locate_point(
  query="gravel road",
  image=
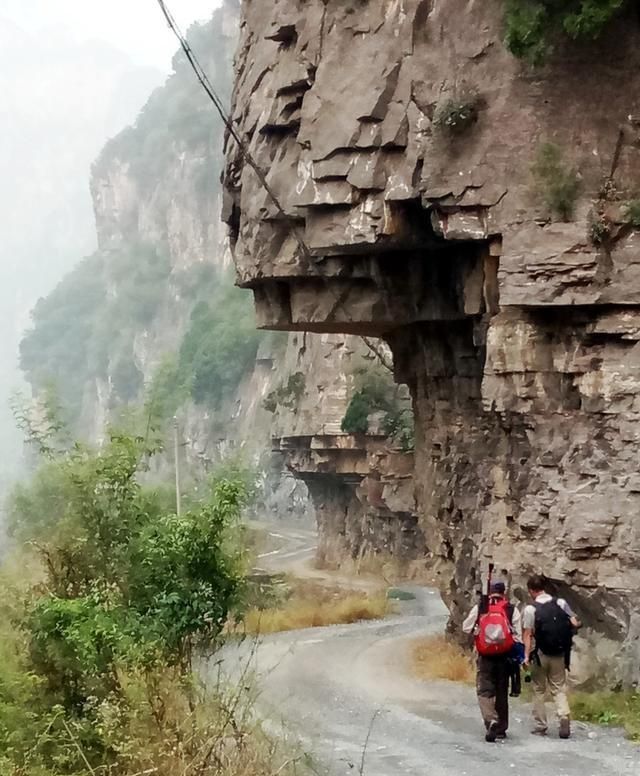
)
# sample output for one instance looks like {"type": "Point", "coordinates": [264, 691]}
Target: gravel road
{"type": "Point", "coordinates": [345, 691]}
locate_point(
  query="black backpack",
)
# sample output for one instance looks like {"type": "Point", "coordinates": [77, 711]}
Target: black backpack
{"type": "Point", "coordinates": [553, 631]}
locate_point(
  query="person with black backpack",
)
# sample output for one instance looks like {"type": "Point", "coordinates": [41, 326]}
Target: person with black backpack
{"type": "Point", "coordinates": [548, 628]}
{"type": "Point", "coordinates": [496, 626]}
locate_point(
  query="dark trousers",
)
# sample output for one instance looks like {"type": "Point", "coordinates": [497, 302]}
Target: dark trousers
{"type": "Point", "coordinates": [492, 686]}
{"type": "Point", "coordinates": [516, 679]}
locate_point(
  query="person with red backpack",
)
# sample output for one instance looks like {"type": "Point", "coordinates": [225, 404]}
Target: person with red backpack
{"type": "Point", "coordinates": [496, 625]}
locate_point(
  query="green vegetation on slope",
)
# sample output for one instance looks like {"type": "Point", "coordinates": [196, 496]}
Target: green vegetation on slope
{"type": "Point", "coordinates": [178, 116]}
{"type": "Point", "coordinates": [218, 349]}
{"type": "Point", "coordinates": [531, 26]}
{"type": "Point", "coordinates": [219, 345]}
{"type": "Point", "coordinates": [376, 392]}
{"type": "Point", "coordinates": [85, 328]}
{"type": "Point", "coordinates": [109, 318]}
{"type": "Point", "coordinates": [124, 592]}
{"type": "Point", "coordinates": [98, 635]}
{"type": "Point", "coordinates": [81, 332]}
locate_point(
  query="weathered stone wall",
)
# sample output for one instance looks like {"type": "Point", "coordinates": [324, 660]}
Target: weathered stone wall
{"type": "Point", "coordinates": [518, 336]}
{"type": "Point", "coordinates": [361, 485]}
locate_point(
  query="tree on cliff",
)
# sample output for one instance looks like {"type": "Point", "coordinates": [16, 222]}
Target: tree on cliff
{"type": "Point", "coordinates": [532, 25]}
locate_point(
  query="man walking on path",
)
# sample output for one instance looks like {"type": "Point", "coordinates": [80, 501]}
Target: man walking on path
{"type": "Point", "coordinates": [494, 670]}
{"type": "Point", "coordinates": [548, 631]}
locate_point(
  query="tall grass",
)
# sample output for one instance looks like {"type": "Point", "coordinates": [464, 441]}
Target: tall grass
{"type": "Point", "coordinates": [436, 657]}
{"type": "Point", "coordinates": [312, 604]}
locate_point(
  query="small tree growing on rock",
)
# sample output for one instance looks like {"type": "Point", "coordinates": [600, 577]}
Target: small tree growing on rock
{"type": "Point", "coordinates": [457, 114]}
{"type": "Point", "coordinates": [557, 184]}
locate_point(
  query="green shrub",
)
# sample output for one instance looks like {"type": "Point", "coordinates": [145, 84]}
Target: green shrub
{"type": "Point", "coordinates": [599, 228]}
{"type": "Point", "coordinates": [526, 30]}
{"type": "Point", "coordinates": [96, 645]}
{"type": "Point", "coordinates": [456, 114]}
{"type": "Point", "coordinates": [356, 418]}
{"type": "Point", "coordinates": [398, 425]}
{"type": "Point", "coordinates": [126, 582]}
{"type": "Point", "coordinates": [531, 26]}
{"type": "Point", "coordinates": [377, 392]}
{"type": "Point", "coordinates": [287, 394]}
{"type": "Point", "coordinates": [220, 345]}
{"type": "Point", "coordinates": [632, 213]}
{"type": "Point", "coordinates": [557, 185]}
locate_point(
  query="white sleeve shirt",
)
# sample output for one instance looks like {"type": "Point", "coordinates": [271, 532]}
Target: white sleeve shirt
{"type": "Point", "coordinates": [469, 624]}
{"type": "Point", "coordinates": [529, 619]}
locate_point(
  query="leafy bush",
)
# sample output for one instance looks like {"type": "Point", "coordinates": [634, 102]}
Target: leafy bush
{"type": "Point", "coordinates": [557, 185]}
{"type": "Point", "coordinates": [128, 591]}
{"type": "Point", "coordinates": [532, 25]}
{"type": "Point", "coordinates": [456, 114]}
{"type": "Point", "coordinates": [287, 394]}
{"type": "Point", "coordinates": [632, 213]}
{"type": "Point", "coordinates": [599, 228]}
{"type": "Point", "coordinates": [376, 392]}
{"type": "Point", "coordinates": [220, 345]}
{"type": "Point", "coordinates": [356, 418]}
{"type": "Point", "coordinates": [398, 424]}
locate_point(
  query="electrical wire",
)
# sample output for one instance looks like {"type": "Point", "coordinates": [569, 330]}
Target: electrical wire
{"type": "Point", "coordinates": [226, 118]}
{"type": "Point", "coordinates": [208, 87]}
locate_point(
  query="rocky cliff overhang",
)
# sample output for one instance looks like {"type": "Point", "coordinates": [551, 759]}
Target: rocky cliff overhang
{"type": "Point", "coordinates": [381, 475]}
{"type": "Point", "coordinates": [363, 494]}
{"type": "Point", "coordinates": [516, 332]}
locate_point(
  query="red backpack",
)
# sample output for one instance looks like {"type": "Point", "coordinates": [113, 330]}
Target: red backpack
{"type": "Point", "coordinates": [495, 636]}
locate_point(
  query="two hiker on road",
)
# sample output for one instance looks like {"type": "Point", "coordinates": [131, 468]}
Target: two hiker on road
{"type": "Point", "coordinates": [541, 639]}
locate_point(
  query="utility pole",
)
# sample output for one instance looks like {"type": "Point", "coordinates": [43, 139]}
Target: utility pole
{"type": "Point", "coordinates": [176, 455]}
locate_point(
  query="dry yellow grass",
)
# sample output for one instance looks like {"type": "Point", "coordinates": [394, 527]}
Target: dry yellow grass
{"type": "Point", "coordinates": [437, 657]}
{"type": "Point", "coordinates": [312, 605]}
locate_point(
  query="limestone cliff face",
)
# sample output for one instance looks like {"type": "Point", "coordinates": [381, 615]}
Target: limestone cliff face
{"type": "Point", "coordinates": [128, 316]}
{"type": "Point", "coordinates": [517, 334]}
{"type": "Point", "coordinates": [155, 186]}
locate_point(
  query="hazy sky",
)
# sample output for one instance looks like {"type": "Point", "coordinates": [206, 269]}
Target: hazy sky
{"type": "Point", "coordinates": [134, 26]}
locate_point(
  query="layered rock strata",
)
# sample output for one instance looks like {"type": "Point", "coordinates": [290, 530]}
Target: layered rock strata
{"type": "Point", "coordinates": [518, 334]}
{"type": "Point", "coordinates": [361, 485]}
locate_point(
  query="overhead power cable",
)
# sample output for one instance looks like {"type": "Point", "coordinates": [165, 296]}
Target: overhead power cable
{"type": "Point", "coordinates": [206, 84]}
{"type": "Point", "coordinates": [208, 87]}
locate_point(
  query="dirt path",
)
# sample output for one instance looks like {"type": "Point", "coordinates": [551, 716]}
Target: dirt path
{"type": "Point", "coordinates": [336, 688]}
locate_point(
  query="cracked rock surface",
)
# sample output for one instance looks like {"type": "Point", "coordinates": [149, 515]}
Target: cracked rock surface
{"type": "Point", "coordinates": [518, 336]}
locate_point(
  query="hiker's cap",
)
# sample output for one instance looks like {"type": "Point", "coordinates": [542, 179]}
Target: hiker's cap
{"type": "Point", "coordinates": [498, 588]}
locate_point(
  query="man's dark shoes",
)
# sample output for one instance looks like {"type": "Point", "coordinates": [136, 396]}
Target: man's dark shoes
{"type": "Point", "coordinates": [492, 733]}
{"type": "Point", "coordinates": [565, 728]}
